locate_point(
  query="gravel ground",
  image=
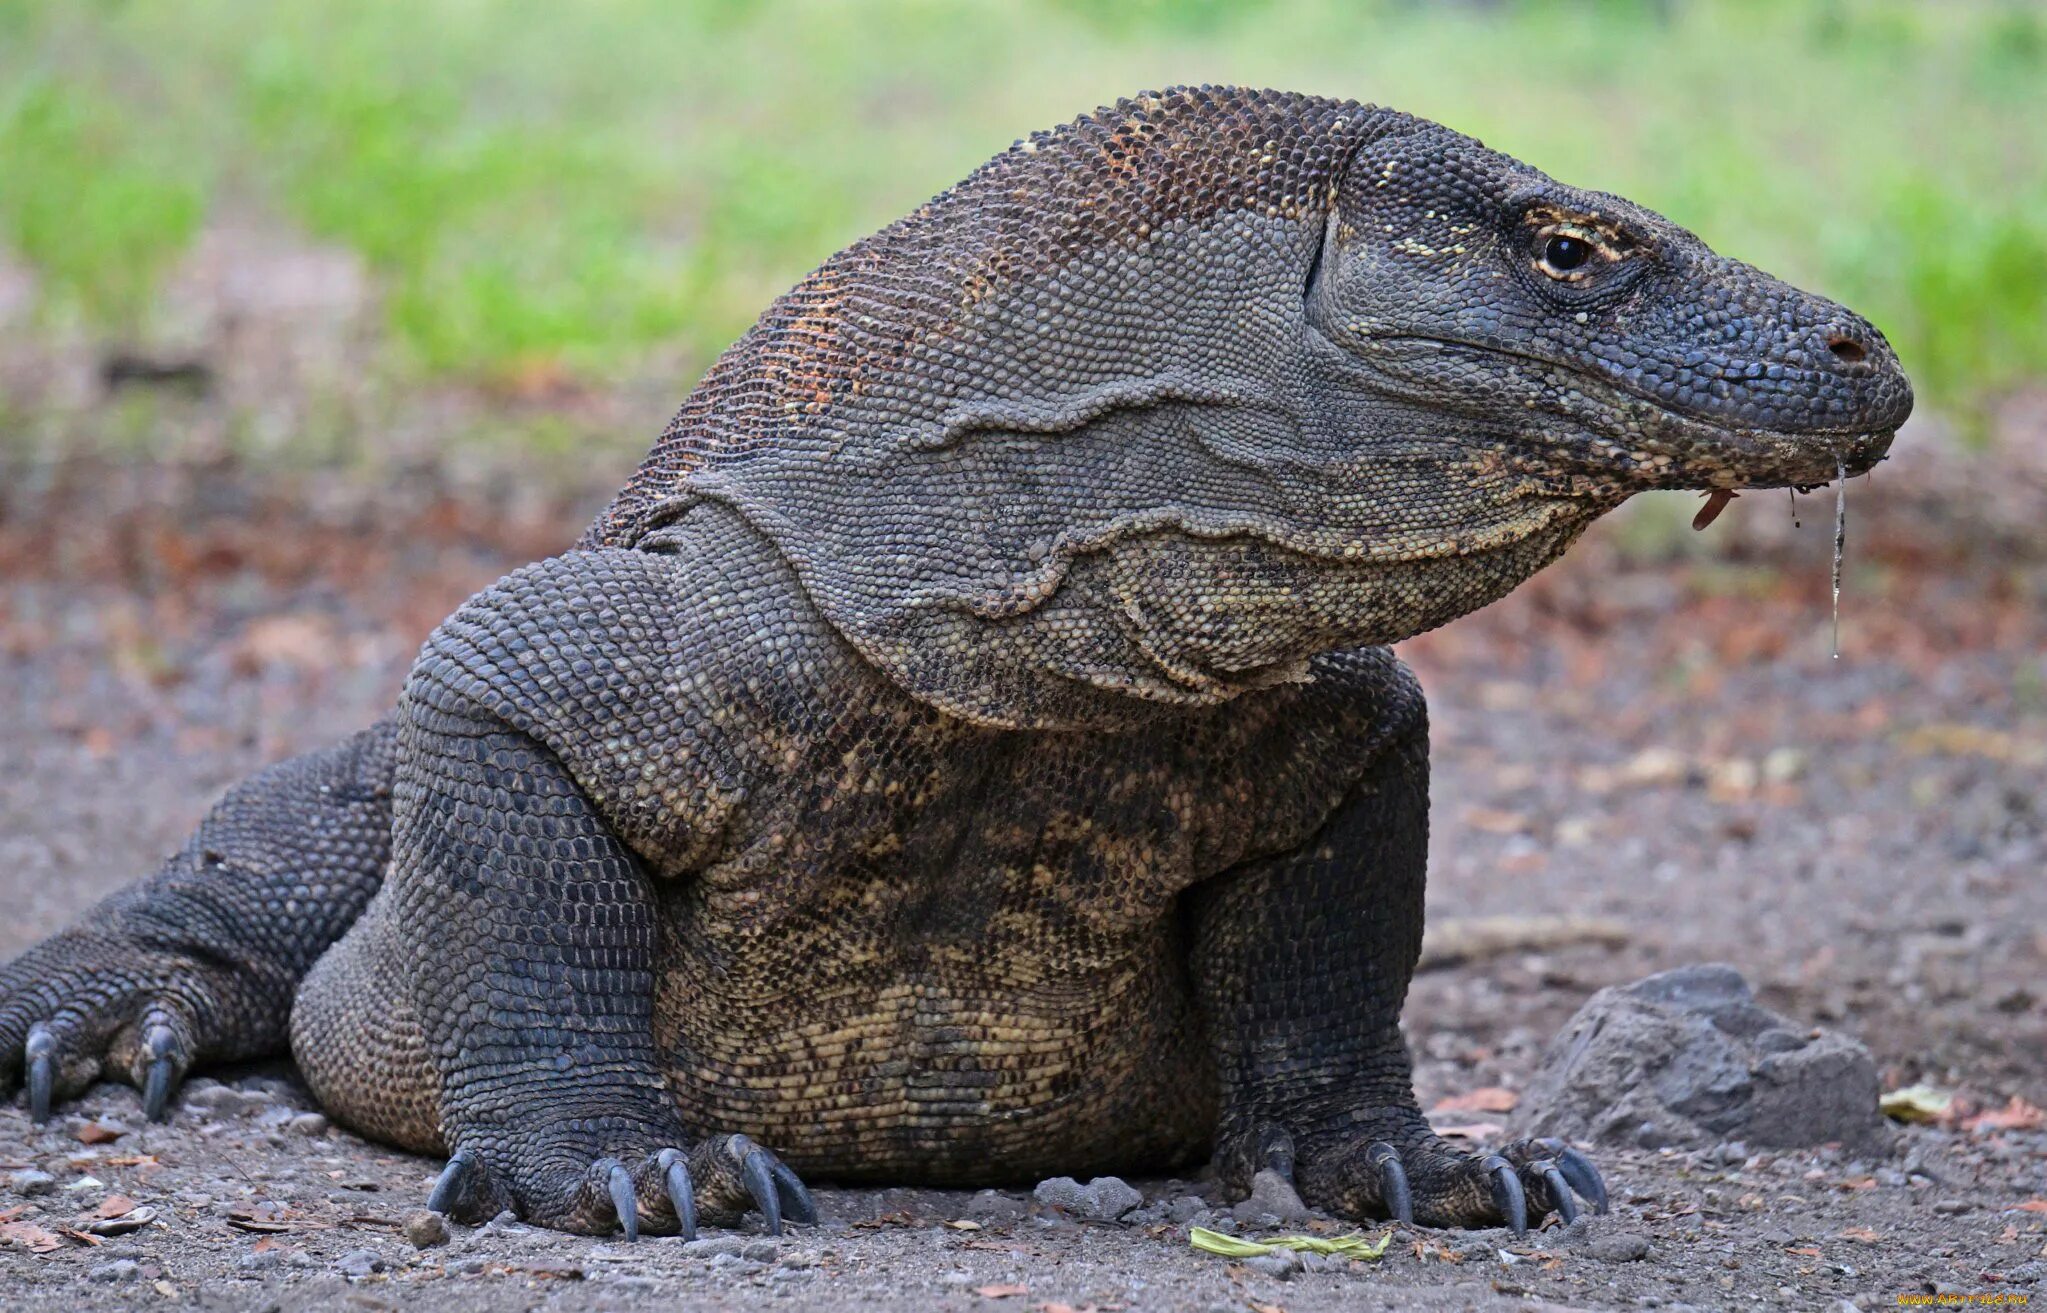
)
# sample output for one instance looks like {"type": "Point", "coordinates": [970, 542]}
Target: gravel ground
{"type": "Point", "coordinates": [1656, 739]}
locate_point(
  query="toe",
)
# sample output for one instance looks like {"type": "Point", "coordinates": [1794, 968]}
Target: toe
{"type": "Point", "coordinates": [732, 1176]}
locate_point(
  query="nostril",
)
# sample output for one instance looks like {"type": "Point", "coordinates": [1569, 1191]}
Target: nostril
{"type": "Point", "coordinates": [1847, 348]}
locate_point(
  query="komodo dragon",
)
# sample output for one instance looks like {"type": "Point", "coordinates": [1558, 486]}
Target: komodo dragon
{"type": "Point", "coordinates": [966, 750]}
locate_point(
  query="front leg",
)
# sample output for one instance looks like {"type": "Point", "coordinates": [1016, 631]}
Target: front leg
{"type": "Point", "coordinates": [530, 938]}
{"type": "Point", "coordinates": [1302, 963]}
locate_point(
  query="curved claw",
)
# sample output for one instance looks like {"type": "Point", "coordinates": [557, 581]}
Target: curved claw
{"type": "Point", "coordinates": [756, 1169]}
{"type": "Point", "coordinates": [797, 1205]}
{"type": "Point", "coordinates": [1579, 1171]}
{"type": "Point", "coordinates": [1393, 1188]}
{"type": "Point", "coordinates": [682, 1195]}
{"type": "Point", "coordinates": [163, 1073]}
{"type": "Point", "coordinates": [623, 1201]}
{"type": "Point", "coordinates": [1559, 1193]}
{"type": "Point", "coordinates": [1508, 1196]}
{"type": "Point", "coordinates": [42, 1076]}
{"type": "Point", "coordinates": [453, 1177]}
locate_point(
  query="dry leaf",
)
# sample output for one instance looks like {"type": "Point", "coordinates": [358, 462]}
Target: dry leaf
{"type": "Point", "coordinates": [1804, 1252]}
{"type": "Point", "coordinates": [31, 1237]}
{"type": "Point", "coordinates": [1862, 1234]}
{"type": "Point", "coordinates": [97, 1133]}
{"type": "Point", "coordinates": [2017, 1115]}
{"type": "Point", "coordinates": [114, 1205]}
{"type": "Point", "coordinates": [1916, 1103]}
{"type": "Point", "coordinates": [1001, 1292]}
{"type": "Point", "coordinates": [2033, 1206]}
{"type": "Point", "coordinates": [962, 1224]}
{"type": "Point", "coordinates": [1257, 1307]}
{"type": "Point", "coordinates": [1486, 1098]}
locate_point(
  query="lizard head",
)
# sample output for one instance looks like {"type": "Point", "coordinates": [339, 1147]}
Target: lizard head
{"type": "Point", "coordinates": [1622, 350]}
{"type": "Point", "coordinates": [1158, 406]}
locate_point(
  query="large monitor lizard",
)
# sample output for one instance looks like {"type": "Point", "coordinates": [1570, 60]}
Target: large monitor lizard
{"type": "Point", "coordinates": [967, 750]}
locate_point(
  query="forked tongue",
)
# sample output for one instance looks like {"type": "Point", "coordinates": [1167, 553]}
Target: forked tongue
{"type": "Point", "coordinates": [1840, 541]}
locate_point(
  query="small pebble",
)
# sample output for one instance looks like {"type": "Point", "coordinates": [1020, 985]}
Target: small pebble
{"type": "Point", "coordinates": [309, 1123]}
{"type": "Point", "coordinates": [1281, 1263]}
{"type": "Point", "coordinates": [121, 1269]}
{"type": "Point", "coordinates": [31, 1182]}
{"type": "Point", "coordinates": [424, 1228]}
{"type": "Point", "coordinates": [711, 1246]}
{"type": "Point", "coordinates": [359, 1263]}
{"type": "Point", "coordinates": [1619, 1247]}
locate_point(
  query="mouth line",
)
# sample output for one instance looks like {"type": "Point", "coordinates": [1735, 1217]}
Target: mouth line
{"type": "Point", "coordinates": [1661, 407]}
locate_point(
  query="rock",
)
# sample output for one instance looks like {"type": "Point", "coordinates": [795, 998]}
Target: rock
{"type": "Point", "coordinates": [31, 1182]}
{"type": "Point", "coordinates": [711, 1246]}
{"type": "Point", "coordinates": [1281, 1263]}
{"type": "Point", "coordinates": [996, 1206]}
{"type": "Point", "coordinates": [1687, 1058]}
{"type": "Point", "coordinates": [1271, 1196]}
{"type": "Point", "coordinates": [359, 1263]}
{"type": "Point", "coordinates": [221, 1100]}
{"type": "Point", "coordinates": [1103, 1199]}
{"type": "Point", "coordinates": [1618, 1247]}
{"type": "Point", "coordinates": [121, 1269]}
{"type": "Point", "coordinates": [761, 1251]}
{"type": "Point", "coordinates": [1186, 1208]}
{"type": "Point", "coordinates": [424, 1228]}
{"type": "Point", "coordinates": [308, 1123]}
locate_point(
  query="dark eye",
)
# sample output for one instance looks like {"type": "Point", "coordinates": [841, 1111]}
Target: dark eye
{"type": "Point", "coordinates": [1561, 254]}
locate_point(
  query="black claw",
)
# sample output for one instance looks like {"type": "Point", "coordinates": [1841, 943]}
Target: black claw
{"type": "Point", "coordinates": [755, 1167]}
{"type": "Point", "coordinates": [797, 1205]}
{"type": "Point", "coordinates": [682, 1195]}
{"type": "Point", "coordinates": [1393, 1187]}
{"type": "Point", "coordinates": [1276, 1151]}
{"type": "Point", "coordinates": [624, 1201]}
{"type": "Point", "coordinates": [1508, 1197]}
{"type": "Point", "coordinates": [1559, 1193]}
{"type": "Point", "coordinates": [163, 1072]}
{"type": "Point", "coordinates": [42, 1076]}
{"type": "Point", "coordinates": [453, 1177]}
{"type": "Point", "coordinates": [1579, 1171]}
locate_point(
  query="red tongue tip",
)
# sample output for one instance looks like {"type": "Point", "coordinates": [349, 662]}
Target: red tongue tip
{"type": "Point", "coordinates": [1716, 502]}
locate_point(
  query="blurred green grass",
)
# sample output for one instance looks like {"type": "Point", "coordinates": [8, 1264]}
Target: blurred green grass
{"type": "Point", "coordinates": [575, 185]}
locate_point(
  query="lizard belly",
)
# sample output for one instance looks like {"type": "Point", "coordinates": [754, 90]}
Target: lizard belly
{"type": "Point", "coordinates": [943, 1072]}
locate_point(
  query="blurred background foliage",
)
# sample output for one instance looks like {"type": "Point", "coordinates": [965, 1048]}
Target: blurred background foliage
{"type": "Point", "coordinates": [572, 186]}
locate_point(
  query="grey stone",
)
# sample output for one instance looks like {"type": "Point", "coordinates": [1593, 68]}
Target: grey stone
{"type": "Point", "coordinates": [222, 1100]}
{"type": "Point", "coordinates": [1186, 1208]}
{"type": "Point", "coordinates": [1103, 1199]}
{"type": "Point", "coordinates": [260, 1261]}
{"type": "Point", "coordinates": [31, 1182]}
{"type": "Point", "coordinates": [309, 1123]}
{"type": "Point", "coordinates": [1281, 1263]}
{"type": "Point", "coordinates": [121, 1269]}
{"type": "Point", "coordinates": [360, 1263]}
{"type": "Point", "coordinates": [995, 1205]}
{"type": "Point", "coordinates": [761, 1251]}
{"type": "Point", "coordinates": [1273, 1196]}
{"type": "Point", "coordinates": [1618, 1247]}
{"type": "Point", "coordinates": [711, 1246]}
{"type": "Point", "coordinates": [1687, 1058]}
{"type": "Point", "coordinates": [424, 1228]}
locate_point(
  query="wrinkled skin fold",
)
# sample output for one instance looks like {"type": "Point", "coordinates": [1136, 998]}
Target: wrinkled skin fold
{"type": "Point", "coordinates": [967, 749]}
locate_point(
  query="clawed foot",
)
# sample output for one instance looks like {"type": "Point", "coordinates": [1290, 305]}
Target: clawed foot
{"type": "Point", "coordinates": [1412, 1175]}
{"type": "Point", "coordinates": [66, 1024]}
{"type": "Point", "coordinates": [664, 1192]}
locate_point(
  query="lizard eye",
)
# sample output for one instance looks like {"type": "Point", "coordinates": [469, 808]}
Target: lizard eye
{"type": "Point", "coordinates": [1565, 252]}
{"type": "Point", "coordinates": [1562, 253]}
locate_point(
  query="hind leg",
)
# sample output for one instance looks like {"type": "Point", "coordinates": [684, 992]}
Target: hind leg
{"type": "Point", "coordinates": [357, 1040]}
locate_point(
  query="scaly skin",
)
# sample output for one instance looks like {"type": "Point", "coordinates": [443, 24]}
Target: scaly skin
{"type": "Point", "coordinates": [967, 749]}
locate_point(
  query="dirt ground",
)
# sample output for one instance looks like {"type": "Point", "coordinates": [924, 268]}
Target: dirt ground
{"type": "Point", "coordinates": [1648, 733]}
